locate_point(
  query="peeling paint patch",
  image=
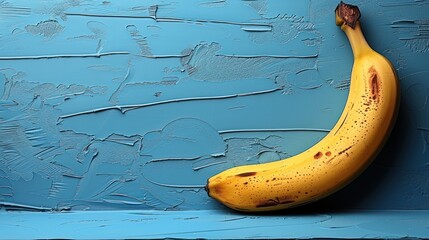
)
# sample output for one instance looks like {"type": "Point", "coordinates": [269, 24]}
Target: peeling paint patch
{"type": "Point", "coordinates": [206, 64]}
{"type": "Point", "coordinates": [286, 28]}
{"type": "Point", "coordinates": [58, 7]}
{"type": "Point", "coordinates": [46, 28]}
{"type": "Point", "coordinates": [259, 5]}
{"type": "Point", "coordinates": [27, 146]}
{"type": "Point", "coordinates": [140, 40]}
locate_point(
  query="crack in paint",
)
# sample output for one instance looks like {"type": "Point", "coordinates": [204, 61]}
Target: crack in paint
{"type": "Point", "coordinates": [88, 55]}
{"type": "Point", "coordinates": [168, 19]}
{"type": "Point", "coordinates": [125, 108]}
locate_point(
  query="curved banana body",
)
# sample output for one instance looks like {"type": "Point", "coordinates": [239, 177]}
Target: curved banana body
{"type": "Point", "coordinates": [340, 156]}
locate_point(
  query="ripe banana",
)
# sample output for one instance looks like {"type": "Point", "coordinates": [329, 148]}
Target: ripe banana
{"type": "Point", "coordinates": [336, 160]}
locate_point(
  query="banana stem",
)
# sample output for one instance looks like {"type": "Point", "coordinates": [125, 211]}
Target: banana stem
{"type": "Point", "coordinates": [347, 16]}
{"type": "Point", "coordinates": [357, 40]}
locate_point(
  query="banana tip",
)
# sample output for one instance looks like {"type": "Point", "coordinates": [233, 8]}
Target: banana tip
{"type": "Point", "coordinates": [206, 187]}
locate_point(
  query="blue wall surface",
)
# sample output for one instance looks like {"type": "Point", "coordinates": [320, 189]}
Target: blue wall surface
{"type": "Point", "coordinates": [109, 105]}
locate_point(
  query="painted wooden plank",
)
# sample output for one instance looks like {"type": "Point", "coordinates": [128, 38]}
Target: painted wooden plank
{"type": "Point", "coordinates": [213, 224]}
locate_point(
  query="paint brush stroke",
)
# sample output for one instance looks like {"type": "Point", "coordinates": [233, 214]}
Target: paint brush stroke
{"type": "Point", "coordinates": [205, 64]}
{"type": "Point", "coordinates": [414, 34]}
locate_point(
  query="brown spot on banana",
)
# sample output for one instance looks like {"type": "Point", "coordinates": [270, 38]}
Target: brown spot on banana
{"type": "Point", "coordinates": [318, 155]}
{"type": "Point", "coordinates": [216, 190]}
{"type": "Point", "coordinates": [274, 202]}
{"type": "Point", "coordinates": [246, 174]}
{"type": "Point", "coordinates": [339, 153]}
{"type": "Point", "coordinates": [374, 84]}
{"type": "Point", "coordinates": [345, 150]}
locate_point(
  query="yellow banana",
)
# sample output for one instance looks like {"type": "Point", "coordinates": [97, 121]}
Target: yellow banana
{"type": "Point", "coordinates": [332, 163]}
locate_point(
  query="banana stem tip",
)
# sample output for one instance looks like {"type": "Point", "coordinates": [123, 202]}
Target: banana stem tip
{"type": "Point", "coordinates": [347, 14]}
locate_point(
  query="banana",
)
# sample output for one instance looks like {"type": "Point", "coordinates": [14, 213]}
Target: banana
{"type": "Point", "coordinates": [338, 158]}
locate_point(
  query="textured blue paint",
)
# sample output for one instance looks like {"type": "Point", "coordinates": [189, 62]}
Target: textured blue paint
{"type": "Point", "coordinates": [130, 105]}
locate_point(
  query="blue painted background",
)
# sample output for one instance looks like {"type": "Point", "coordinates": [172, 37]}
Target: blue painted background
{"type": "Point", "coordinates": [134, 104]}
